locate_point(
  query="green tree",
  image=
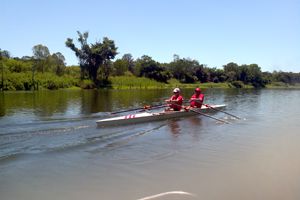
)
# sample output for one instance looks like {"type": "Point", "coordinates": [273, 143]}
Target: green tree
{"type": "Point", "coordinates": [252, 74]}
{"type": "Point", "coordinates": [286, 77]}
{"type": "Point", "coordinates": [232, 71]}
{"type": "Point", "coordinates": [58, 63]}
{"type": "Point", "coordinates": [130, 62]}
{"type": "Point", "coordinates": [41, 54]}
{"type": "Point", "coordinates": [147, 67]}
{"type": "Point", "coordinates": [120, 67]}
{"type": "Point", "coordinates": [202, 73]}
{"type": "Point", "coordinates": [216, 75]}
{"type": "Point", "coordinates": [92, 57]}
{"type": "Point", "coordinates": [184, 69]}
{"type": "Point", "coordinates": [4, 54]}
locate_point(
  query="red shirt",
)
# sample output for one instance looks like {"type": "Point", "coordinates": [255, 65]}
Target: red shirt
{"type": "Point", "coordinates": [197, 100]}
{"type": "Point", "coordinates": [177, 105]}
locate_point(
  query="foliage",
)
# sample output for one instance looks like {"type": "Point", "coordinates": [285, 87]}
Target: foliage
{"type": "Point", "coordinates": [41, 54]}
{"type": "Point", "coordinates": [92, 57]}
{"type": "Point", "coordinates": [23, 81]}
{"type": "Point", "coordinates": [131, 82]}
{"type": "Point", "coordinates": [18, 66]}
{"type": "Point", "coordinates": [4, 54]}
{"type": "Point", "coordinates": [48, 71]}
{"type": "Point", "coordinates": [51, 81]}
{"type": "Point", "coordinates": [120, 67]}
{"type": "Point", "coordinates": [215, 75]}
{"type": "Point", "coordinates": [58, 63]}
{"type": "Point", "coordinates": [184, 69]}
{"type": "Point", "coordinates": [237, 84]}
{"type": "Point", "coordinates": [248, 74]}
{"type": "Point", "coordinates": [286, 77]}
{"type": "Point", "coordinates": [147, 67]}
{"type": "Point", "coordinates": [73, 71]}
{"type": "Point", "coordinates": [130, 62]}
{"type": "Point", "coordinates": [87, 84]}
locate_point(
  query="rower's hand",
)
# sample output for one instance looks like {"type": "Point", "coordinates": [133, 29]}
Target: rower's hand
{"type": "Point", "coordinates": [195, 100]}
{"type": "Point", "coordinates": [146, 107]}
{"type": "Point", "coordinates": [170, 101]}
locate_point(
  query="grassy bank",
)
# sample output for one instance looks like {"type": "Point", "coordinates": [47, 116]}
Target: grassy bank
{"type": "Point", "coordinates": [283, 85]}
{"type": "Point", "coordinates": [23, 81]}
{"type": "Point", "coordinates": [127, 82]}
{"type": "Point", "coordinates": [130, 82]}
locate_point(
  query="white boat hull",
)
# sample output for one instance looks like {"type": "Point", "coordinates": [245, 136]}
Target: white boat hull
{"type": "Point", "coordinates": [148, 116]}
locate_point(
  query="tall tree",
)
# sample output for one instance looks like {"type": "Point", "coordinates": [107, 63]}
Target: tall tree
{"type": "Point", "coordinates": [82, 54]}
{"type": "Point", "coordinates": [120, 67]}
{"type": "Point", "coordinates": [41, 54]}
{"type": "Point", "coordinates": [58, 62]}
{"type": "Point", "coordinates": [92, 57]}
{"type": "Point", "coordinates": [184, 69]}
{"type": "Point", "coordinates": [4, 54]}
{"type": "Point", "coordinates": [130, 62]}
{"type": "Point", "coordinates": [146, 66]}
{"type": "Point", "coordinates": [232, 71]}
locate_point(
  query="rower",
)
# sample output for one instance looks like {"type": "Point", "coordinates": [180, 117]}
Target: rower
{"type": "Point", "coordinates": [196, 100]}
{"type": "Point", "coordinates": [175, 102]}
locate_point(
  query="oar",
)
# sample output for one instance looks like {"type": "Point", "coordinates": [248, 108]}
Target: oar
{"type": "Point", "coordinates": [142, 108]}
{"type": "Point", "coordinates": [206, 115]}
{"type": "Point", "coordinates": [201, 113]}
{"type": "Point", "coordinates": [221, 111]}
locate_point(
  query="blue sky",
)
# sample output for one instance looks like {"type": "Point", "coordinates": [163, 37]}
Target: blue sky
{"type": "Point", "coordinates": [214, 32]}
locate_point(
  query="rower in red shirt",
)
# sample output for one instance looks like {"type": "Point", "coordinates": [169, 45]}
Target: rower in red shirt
{"type": "Point", "coordinates": [175, 102]}
{"type": "Point", "coordinates": [197, 99]}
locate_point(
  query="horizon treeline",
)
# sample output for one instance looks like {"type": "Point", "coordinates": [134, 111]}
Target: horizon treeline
{"type": "Point", "coordinates": [96, 66]}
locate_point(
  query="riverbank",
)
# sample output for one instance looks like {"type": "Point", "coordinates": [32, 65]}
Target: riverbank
{"type": "Point", "coordinates": [132, 82]}
{"type": "Point", "coordinates": [281, 85]}
{"type": "Point", "coordinates": [123, 82]}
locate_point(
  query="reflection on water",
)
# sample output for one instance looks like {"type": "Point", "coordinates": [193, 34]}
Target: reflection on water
{"type": "Point", "coordinates": [50, 147]}
{"type": "Point", "coordinates": [174, 127]}
{"type": "Point", "coordinates": [49, 103]}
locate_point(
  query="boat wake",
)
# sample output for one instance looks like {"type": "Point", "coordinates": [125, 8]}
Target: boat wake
{"type": "Point", "coordinates": [167, 193]}
{"type": "Point", "coordinates": [58, 136]}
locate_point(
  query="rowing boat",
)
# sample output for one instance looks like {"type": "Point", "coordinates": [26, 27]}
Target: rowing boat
{"type": "Point", "coordinates": [155, 116]}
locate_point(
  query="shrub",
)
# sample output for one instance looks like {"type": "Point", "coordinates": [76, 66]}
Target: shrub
{"type": "Point", "coordinates": [238, 84]}
{"type": "Point", "coordinates": [87, 84]}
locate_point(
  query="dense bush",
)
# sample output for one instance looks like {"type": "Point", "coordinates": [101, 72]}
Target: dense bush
{"type": "Point", "coordinates": [24, 81]}
{"type": "Point", "coordinates": [238, 84]}
{"type": "Point", "coordinates": [87, 84]}
{"type": "Point", "coordinates": [17, 81]}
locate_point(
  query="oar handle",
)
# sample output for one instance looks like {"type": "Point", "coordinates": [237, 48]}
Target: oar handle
{"type": "Point", "coordinates": [146, 107]}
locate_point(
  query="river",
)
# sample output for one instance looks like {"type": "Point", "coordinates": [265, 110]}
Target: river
{"type": "Point", "coordinates": [50, 147]}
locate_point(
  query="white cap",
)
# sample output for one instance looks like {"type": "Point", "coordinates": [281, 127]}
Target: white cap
{"type": "Point", "coordinates": [176, 90]}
